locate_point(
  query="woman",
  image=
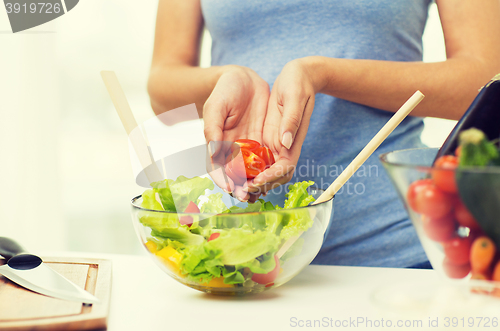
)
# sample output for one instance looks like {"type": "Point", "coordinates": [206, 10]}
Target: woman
{"type": "Point", "coordinates": [337, 69]}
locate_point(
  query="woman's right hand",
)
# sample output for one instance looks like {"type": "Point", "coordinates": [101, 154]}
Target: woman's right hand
{"type": "Point", "coordinates": [235, 109]}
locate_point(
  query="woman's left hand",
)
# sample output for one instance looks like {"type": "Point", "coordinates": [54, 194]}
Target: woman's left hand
{"type": "Point", "coordinates": [288, 113]}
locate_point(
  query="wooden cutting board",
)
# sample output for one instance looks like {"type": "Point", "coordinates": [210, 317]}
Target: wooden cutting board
{"type": "Point", "coordinates": [21, 309]}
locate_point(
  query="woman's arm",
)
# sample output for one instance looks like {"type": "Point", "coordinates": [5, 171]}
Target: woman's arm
{"type": "Point", "coordinates": [175, 79]}
{"type": "Point", "coordinates": [472, 37]}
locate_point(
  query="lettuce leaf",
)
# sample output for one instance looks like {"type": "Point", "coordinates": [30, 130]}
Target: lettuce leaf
{"type": "Point", "coordinates": [177, 194]}
{"type": "Point", "coordinates": [214, 204]}
{"type": "Point", "coordinates": [298, 196]}
{"type": "Point", "coordinates": [240, 246]}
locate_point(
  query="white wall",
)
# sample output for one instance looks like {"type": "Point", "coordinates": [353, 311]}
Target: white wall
{"type": "Point", "coordinates": [66, 177]}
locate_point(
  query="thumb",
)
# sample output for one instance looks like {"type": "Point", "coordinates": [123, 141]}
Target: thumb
{"type": "Point", "coordinates": [293, 111]}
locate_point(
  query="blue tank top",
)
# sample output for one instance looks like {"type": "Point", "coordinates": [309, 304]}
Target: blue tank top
{"type": "Point", "coordinates": [369, 226]}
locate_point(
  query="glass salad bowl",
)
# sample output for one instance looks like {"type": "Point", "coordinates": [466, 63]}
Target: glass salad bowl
{"type": "Point", "coordinates": [460, 246]}
{"type": "Point", "coordinates": [247, 248]}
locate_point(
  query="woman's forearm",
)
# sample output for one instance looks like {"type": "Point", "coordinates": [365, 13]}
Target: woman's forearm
{"type": "Point", "coordinates": [172, 86]}
{"type": "Point", "coordinates": [449, 86]}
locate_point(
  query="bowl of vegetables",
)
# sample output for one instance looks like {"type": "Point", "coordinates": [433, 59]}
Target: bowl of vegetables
{"type": "Point", "coordinates": [226, 247]}
{"type": "Point", "coordinates": [453, 202]}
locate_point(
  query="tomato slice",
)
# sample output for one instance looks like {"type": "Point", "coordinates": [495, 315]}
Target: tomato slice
{"type": "Point", "coordinates": [270, 276]}
{"type": "Point", "coordinates": [254, 164]}
{"type": "Point", "coordinates": [247, 144]}
{"type": "Point", "coordinates": [214, 236]}
{"type": "Point", "coordinates": [192, 208]}
{"type": "Point", "coordinates": [265, 154]}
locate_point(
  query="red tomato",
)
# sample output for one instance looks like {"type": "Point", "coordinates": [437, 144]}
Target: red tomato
{"type": "Point", "coordinates": [443, 173]}
{"type": "Point", "coordinates": [464, 217]}
{"type": "Point", "coordinates": [457, 250]}
{"type": "Point", "coordinates": [247, 144]}
{"type": "Point", "coordinates": [214, 236]}
{"type": "Point", "coordinates": [192, 208]}
{"type": "Point", "coordinates": [428, 200]}
{"type": "Point", "coordinates": [439, 229]}
{"type": "Point", "coordinates": [414, 188]}
{"type": "Point", "coordinates": [254, 164]}
{"type": "Point", "coordinates": [270, 276]}
{"type": "Point", "coordinates": [265, 154]}
{"type": "Point", "coordinates": [455, 271]}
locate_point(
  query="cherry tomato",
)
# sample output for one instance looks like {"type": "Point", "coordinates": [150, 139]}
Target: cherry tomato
{"type": "Point", "coordinates": [443, 173]}
{"type": "Point", "coordinates": [439, 229]}
{"type": "Point", "coordinates": [464, 217]}
{"type": "Point", "coordinates": [414, 188]}
{"type": "Point", "coordinates": [457, 250]}
{"type": "Point", "coordinates": [191, 208]}
{"type": "Point", "coordinates": [270, 276]}
{"type": "Point", "coordinates": [247, 144]}
{"type": "Point", "coordinates": [455, 271]}
{"type": "Point", "coordinates": [427, 199]}
{"type": "Point", "coordinates": [265, 154]}
{"type": "Point", "coordinates": [254, 164]}
{"type": "Point", "coordinates": [214, 236]}
{"type": "Point", "coordinates": [482, 253]}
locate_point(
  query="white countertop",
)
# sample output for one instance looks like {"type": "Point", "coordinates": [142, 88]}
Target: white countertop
{"type": "Point", "coordinates": [334, 297]}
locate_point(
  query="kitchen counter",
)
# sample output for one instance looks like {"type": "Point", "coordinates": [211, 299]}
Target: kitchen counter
{"type": "Point", "coordinates": [320, 297]}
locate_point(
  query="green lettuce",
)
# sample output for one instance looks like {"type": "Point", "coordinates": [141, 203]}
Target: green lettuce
{"type": "Point", "coordinates": [177, 194]}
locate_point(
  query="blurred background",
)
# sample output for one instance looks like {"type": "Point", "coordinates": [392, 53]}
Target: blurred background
{"type": "Point", "coordinates": [66, 177]}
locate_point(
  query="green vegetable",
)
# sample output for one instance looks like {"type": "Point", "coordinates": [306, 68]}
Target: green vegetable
{"type": "Point", "coordinates": [247, 243]}
{"type": "Point", "coordinates": [214, 204]}
{"type": "Point", "coordinates": [176, 195]}
{"type": "Point", "coordinates": [477, 150]}
{"type": "Point", "coordinates": [241, 246]}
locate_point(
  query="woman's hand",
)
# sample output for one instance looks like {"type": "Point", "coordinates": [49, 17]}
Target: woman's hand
{"type": "Point", "coordinates": [235, 109]}
{"type": "Point", "coordinates": [288, 113]}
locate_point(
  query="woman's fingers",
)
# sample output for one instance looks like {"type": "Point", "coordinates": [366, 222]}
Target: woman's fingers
{"type": "Point", "coordinates": [292, 108]}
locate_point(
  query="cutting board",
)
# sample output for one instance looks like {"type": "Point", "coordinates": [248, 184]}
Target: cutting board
{"type": "Point", "coordinates": [21, 309]}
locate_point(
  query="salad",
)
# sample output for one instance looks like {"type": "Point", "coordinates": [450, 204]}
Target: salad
{"type": "Point", "coordinates": [217, 246]}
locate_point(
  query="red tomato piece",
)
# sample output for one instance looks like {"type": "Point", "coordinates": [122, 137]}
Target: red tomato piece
{"type": "Point", "coordinates": [265, 154]}
{"type": "Point", "coordinates": [191, 208]}
{"type": "Point", "coordinates": [443, 173]}
{"type": "Point", "coordinates": [464, 217]}
{"type": "Point", "coordinates": [439, 229]}
{"type": "Point", "coordinates": [270, 276]}
{"type": "Point", "coordinates": [247, 144]}
{"type": "Point", "coordinates": [429, 200]}
{"type": "Point", "coordinates": [455, 271]}
{"type": "Point", "coordinates": [254, 164]}
{"type": "Point", "coordinates": [214, 236]}
{"type": "Point", "coordinates": [457, 250]}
